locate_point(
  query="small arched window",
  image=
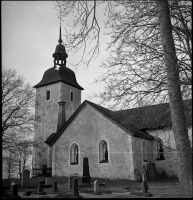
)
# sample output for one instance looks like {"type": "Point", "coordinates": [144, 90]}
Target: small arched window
{"type": "Point", "coordinates": [74, 154]}
{"type": "Point", "coordinates": [160, 150]}
{"type": "Point", "coordinates": [71, 96]}
{"type": "Point", "coordinates": [103, 152]}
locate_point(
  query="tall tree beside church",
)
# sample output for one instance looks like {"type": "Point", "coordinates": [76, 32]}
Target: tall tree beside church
{"type": "Point", "coordinates": [138, 59]}
{"type": "Point", "coordinates": [175, 97]}
{"type": "Point", "coordinates": [136, 62]}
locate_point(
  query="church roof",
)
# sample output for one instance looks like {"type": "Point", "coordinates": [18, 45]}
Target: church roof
{"type": "Point", "coordinates": [129, 127]}
{"type": "Point", "coordinates": [154, 116]}
{"type": "Point", "coordinates": [63, 74]}
{"type": "Point", "coordinates": [137, 120]}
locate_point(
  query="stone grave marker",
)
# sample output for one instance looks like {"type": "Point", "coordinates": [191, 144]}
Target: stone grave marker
{"type": "Point", "coordinates": [14, 191]}
{"type": "Point", "coordinates": [40, 188]}
{"type": "Point", "coordinates": [55, 187]}
{"type": "Point", "coordinates": [49, 181]}
{"type": "Point", "coordinates": [96, 188]}
{"type": "Point", "coordinates": [75, 189]}
{"type": "Point", "coordinates": [86, 174]}
{"type": "Point", "coordinates": [71, 178]}
{"type": "Point", "coordinates": [25, 177]}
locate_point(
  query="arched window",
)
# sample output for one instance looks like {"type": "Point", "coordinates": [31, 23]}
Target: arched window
{"type": "Point", "coordinates": [160, 150]}
{"type": "Point", "coordinates": [74, 154]}
{"type": "Point", "coordinates": [103, 152]}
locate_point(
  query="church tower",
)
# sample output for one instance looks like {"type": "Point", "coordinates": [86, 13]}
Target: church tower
{"type": "Point", "coordinates": [58, 92]}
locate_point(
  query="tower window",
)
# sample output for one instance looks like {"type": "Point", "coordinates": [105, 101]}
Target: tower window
{"type": "Point", "coordinates": [48, 95]}
{"type": "Point", "coordinates": [71, 96]}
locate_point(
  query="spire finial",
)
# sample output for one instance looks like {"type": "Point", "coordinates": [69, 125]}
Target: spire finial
{"type": "Point", "coordinates": [60, 36]}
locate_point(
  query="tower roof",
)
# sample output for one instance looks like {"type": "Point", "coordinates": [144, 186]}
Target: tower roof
{"type": "Point", "coordinates": [64, 74]}
{"type": "Point", "coordinates": [59, 72]}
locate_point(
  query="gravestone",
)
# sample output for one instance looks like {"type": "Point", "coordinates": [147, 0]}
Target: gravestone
{"type": "Point", "coordinates": [86, 174]}
{"type": "Point", "coordinates": [40, 188]}
{"type": "Point", "coordinates": [96, 188]}
{"type": "Point", "coordinates": [55, 187]}
{"type": "Point", "coordinates": [75, 187]}
{"type": "Point", "coordinates": [25, 177]}
{"type": "Point", "coordinates": [71, 178]}
{"type": "Point", "coordinates": [14, 191]}
{"type": "Point", "coordinates": [49, 181]}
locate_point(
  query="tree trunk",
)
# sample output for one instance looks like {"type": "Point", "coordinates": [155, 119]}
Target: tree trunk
{"type": "Point", "coordinates": [175, 98]}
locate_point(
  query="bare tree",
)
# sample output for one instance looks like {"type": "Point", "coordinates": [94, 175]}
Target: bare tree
{"type": "Point", "coordinates": [9, 166]}
{"type": "Point", "coordinates": [175, 96]}
{"type": "Point", "coordinates": [17, 108]}
{"type": "Point", "coordinates": [141, 60]}
{"type": "Point", "coordinates": [136, 63]}
{"type": "Point", "coordinates": [23, 151]}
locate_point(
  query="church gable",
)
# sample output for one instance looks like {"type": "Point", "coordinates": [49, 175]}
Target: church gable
{"type": "Point", "coordinates": [128, 127]}
{"type": "Point", "coordinates": [89, 131]}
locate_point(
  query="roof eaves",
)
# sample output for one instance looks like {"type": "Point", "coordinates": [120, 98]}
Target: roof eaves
{"type": "Point", "coordinates": [51, 82]}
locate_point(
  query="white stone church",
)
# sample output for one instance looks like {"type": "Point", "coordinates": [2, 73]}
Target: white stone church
{"type": "Point", "coordinates": [115, 142]}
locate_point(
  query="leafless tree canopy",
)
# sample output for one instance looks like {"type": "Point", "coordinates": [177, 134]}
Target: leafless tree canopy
{"type": "Point", "coordinates": [17, 108]}
{"type": "Point", "coordinates": [135, 65]}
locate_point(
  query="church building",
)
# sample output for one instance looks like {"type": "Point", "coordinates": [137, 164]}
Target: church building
{"type": "Point", "coordinates": [116, 143]}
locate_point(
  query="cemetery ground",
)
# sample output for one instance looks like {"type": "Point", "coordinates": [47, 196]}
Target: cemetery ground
{"type": "Point", "coordinates": [120, 188]}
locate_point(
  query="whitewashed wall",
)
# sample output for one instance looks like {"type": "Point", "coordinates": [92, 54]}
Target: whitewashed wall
{"type": "Point", "coordinates": [87, 130]}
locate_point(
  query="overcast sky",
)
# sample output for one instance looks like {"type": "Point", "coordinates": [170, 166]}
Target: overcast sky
{"type": "Point", "coordinates": [30, 31]}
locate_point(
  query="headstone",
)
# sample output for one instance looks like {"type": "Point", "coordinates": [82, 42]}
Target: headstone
{"type": "Point", "coordinates": [14, 191]}
{"type": "Point", "coordinates": [55, 187]}
{"type": "Point", "coordinates": [40, 188]}
{"type": "Point", "coordinates": [86, 174]}
{"type": "Point", "coordinates": [75, 187]}
{"type": "Point", "coordinates": [49, 181]}
{"type": "Point", "coordinates": [25, 177]}
{"type": "Point", "coordinates": [137, 175]}
{"type": "Point", "coordinates": [71, 178]}
{"type": "Point", "coordinates": [96, 188]}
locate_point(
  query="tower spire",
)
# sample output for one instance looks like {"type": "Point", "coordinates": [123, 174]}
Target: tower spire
{"type": "Point", "coordinates": [60, 36]}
